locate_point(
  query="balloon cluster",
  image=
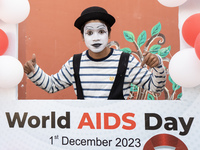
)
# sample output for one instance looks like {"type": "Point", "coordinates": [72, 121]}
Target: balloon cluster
{"type": "Point", "coordinates": [11, 70]}
{"type": "Point", "coordinates": [184, 66]}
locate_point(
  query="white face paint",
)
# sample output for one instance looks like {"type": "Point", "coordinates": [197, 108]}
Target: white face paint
{"type": "Point", "coordinates": [96, 36]}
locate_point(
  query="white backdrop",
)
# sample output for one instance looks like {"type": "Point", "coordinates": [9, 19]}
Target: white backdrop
{"type": "Point", "coordinates": [40, 138]}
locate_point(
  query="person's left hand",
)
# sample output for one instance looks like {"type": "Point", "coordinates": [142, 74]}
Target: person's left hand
{"type": "Point", "coordinates": [150, 60]}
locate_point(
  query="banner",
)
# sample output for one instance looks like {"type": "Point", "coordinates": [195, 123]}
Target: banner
{"type": "Point", "coordinates": [95, 124]}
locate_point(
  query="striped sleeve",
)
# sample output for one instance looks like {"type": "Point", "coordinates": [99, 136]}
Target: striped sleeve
{"type": "Point", "coordinates": [154, 80]}
{"type": "Point", "coordinates": [53, 83]}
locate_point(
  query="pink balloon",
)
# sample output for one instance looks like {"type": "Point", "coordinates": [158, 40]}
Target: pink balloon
{"type": "Point", "coordinates": [191, 28]}
{"type": "Point", "coordinates": [197, 46]}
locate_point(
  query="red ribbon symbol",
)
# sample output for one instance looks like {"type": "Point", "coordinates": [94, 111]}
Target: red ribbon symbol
{"type": "Point", "coordinates": [164, 140]}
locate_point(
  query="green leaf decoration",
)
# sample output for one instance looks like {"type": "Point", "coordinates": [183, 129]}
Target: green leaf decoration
{"type": "Point", "coordinates": [135, 89]}
{"type": "Point", "coordinates": [170, 79]}
{"type": "Point", "coordinates": [150, 97]}
{"type": "Point", "coordinates": [132, 88]}
{"type": "Point", "coordinates": [156, 29]}
{"type": "Point", "coordinates": [179, 96]}
{"type": "Point", "coordinates": [154, 49]}
{"type": "Point", "coordinates": [164, 51]}
{"type": "Point", "coordinates": [129, 36]}
{"type": "Point", "coordinates": [142, 38]}
{"type": "Point", "coordinates": [174, 85]}
{"type": "Point", "coordinates": [126, 50]}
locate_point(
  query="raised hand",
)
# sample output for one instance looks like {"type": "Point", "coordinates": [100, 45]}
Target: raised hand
{"type": "Point", "coordinates": [29, 65]}
{"type": "Point", "coordinates": [150, 60]}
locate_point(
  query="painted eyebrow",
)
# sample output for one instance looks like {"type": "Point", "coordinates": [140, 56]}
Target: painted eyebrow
{"type": "Point", "coordinates": [103, 26]}
{"type": "Point", "coordinates": [100, 26]}
{"type": "Point", "coordinates": [88, 27]}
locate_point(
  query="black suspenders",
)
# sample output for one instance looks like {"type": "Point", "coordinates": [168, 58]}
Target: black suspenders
{"type": "Point", "coordinates": [117, 87]}
{"type": "Point", "coordinates": [76, 66]}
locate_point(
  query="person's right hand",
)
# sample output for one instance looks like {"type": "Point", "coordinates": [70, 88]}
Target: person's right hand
{"type": "Point", "coordinates": [29, 66]}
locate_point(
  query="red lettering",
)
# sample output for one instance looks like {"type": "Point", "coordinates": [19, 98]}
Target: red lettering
{"type": "Point", "coordinates": [127, 120]}
{"type": "Point", "coordinates": [106, 121]}
{"type": "Point", "coordinates": [111, 121]}
{"type": "Point", "coordinates": [86, 121]}
{"type": "Point", "coordinates": [98, 121]}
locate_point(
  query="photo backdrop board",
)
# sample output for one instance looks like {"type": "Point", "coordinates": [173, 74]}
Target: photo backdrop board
{"type": "Point", "coordinates": [68, 124]}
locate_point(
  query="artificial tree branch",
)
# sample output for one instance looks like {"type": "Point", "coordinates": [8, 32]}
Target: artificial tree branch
{"type": "Point", "coordinates": [160, 42]}
{"type": "Point", "coordinates": [139, 53]}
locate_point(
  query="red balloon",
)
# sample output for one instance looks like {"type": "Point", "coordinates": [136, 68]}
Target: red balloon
{"type": "Point", "coordinates": [3, 42]}
{"type": "Point", "coordinates": [197, 46]}
{"type": "Point", "coordinates": [191, 28]}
